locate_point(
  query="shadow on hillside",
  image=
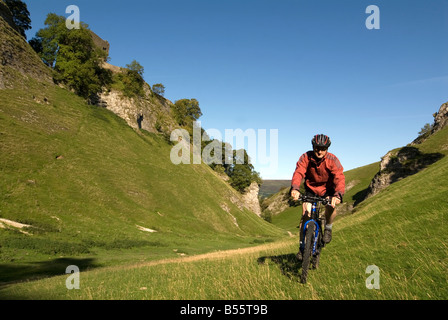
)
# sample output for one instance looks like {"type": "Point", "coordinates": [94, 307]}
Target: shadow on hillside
{"type": "Point", "coordinates": [288, 264]}
{"type": "Point", "coordinates": [14, 273]}
{"type": "Point", "coordinates": [360, 196]}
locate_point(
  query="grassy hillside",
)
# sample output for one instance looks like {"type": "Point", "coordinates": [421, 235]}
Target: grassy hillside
{"type": "Point", "coordinates": [401, 230]}
{"type": "Point", "coordinates": [87, 184]}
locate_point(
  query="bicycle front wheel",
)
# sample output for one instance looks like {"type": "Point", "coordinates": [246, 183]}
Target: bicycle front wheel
{"type": "Point", "coordinates": [308, 250]}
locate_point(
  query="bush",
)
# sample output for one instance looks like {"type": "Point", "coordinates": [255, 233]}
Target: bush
{"type": "Point", "coordinates": [130, 82]}
{"type": "Point", "coordinates": [267, 215]}
{"type": "Point", "coordinates": [45, 246]}
{"type": "Point", "coordinates": [186, 111]}
{"type": "Point", "coordinates": [426, 130]}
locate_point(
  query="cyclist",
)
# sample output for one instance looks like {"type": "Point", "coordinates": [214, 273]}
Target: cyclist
{"type": "Point", "coordinates": [324, 177]}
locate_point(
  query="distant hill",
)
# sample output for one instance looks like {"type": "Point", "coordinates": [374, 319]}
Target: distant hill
{"type": "Point", "coordinates": [270, 187]}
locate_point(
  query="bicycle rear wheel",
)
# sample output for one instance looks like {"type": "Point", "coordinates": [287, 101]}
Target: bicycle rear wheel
{"type": "Point", "coordinates": [308, 250]}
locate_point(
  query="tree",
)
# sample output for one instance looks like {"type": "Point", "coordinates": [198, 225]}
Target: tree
{"type": "Point", "coordinates": [72, 54]}
{"type": "Point", "coordinates": [186, 111]}
{"type": "Point", "coordinates": [46, 41]}
{"type": "Point", "coordinates": [36, 44]}
{"type": "Point", "coordinates": [242, 172]}
{"type": "Point", "coordinates": [159, 89]}
{"type": "Point", "coordinates": [132, 80]}
{"type": "Point", "coordinates": [425, 130]}
{"type": "Point", "coordinates": [79, 63]}
{"type": "Point", "coordinates": [240, 177]}
{"type": "Point", "coordinates": [136, 68]}
{"type": "Point", "coordinates": [20, 15]}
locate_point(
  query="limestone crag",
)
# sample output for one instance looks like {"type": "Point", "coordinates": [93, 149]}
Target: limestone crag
{"type": "Point", "coordinates": [277, 203]}
{"type": "Point", "coordinates": [440, 118]}
{"type": "Point", "coordinates": [440, 121]}
{"type": "Point", "coordinates": [250, 198]}
{"type": "Point", "coordinates": [151, 112]}
{"type": "Point", "coordinates": [398, 164]}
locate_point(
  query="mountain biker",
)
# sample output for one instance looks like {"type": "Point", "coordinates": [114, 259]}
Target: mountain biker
{"type": "Point", "coordinates": [324, 177]}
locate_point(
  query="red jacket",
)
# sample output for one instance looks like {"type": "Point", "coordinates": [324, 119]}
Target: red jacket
{"type": "Point", "coordinates": [321, 175]}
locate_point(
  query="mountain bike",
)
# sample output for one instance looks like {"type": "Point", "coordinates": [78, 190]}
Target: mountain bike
{"type": "Point", "coordinates": [312, 234]}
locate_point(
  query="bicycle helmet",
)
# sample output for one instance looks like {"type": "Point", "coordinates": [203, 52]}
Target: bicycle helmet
{"type": "Point", "coordinates": [321, 141]}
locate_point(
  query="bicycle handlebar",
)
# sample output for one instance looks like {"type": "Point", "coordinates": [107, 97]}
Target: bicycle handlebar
{"type": "Point", "coordinates": [305, 198]}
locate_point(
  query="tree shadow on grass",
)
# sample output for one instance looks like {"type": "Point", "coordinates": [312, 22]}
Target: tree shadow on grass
{"type": "Point", "coordinates": [11, 273]}
{"type": "Point", "coordinates": [288, 263]}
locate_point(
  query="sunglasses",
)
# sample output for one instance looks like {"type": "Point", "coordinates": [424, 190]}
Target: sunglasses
{"type": "Point", "coordinates": [320, 149]}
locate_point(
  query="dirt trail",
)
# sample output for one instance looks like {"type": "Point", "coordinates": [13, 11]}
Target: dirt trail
{"type": "Point", "coordinates": [214, 255]}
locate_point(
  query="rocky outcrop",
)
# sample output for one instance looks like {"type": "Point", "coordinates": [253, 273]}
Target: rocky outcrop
{"type": "Point", "coordinates": [440, 121]}
{"type": "Point", "coordinates": [440, 118]}
{"type": "Point", "coordinates": [151, 112]}
{"type": "Point", "coordinates": [250, 198]}
{"type": "Point", "coordinates": [277, 203]}
{"type": "Point", "coordinates": [398, 164]}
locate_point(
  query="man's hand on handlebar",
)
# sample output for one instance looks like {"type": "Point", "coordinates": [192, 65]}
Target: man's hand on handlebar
{"type": "Point", "coordinates": [334, 201]}
{"type": "Point", "coordinates": [295, 194]}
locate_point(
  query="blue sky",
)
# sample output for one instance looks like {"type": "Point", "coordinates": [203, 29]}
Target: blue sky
{"type": "Point", "coordinates": [301, 67]}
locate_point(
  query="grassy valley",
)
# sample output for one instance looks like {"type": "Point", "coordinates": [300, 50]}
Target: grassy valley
{"type": "Point", "coordinates": [404, 238]}
{"type": "Point", "coordinates": [400, 233]}
{"type": "Point", "coordinates": [87, 185]}
{"type": "Point", "coordinates": [79, 186]}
